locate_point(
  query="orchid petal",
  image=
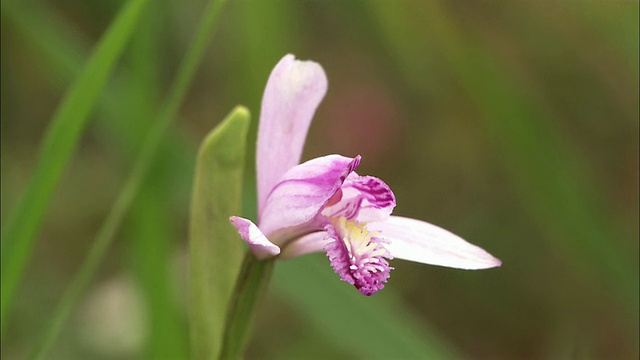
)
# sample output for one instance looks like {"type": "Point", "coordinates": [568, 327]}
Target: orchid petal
{"type": "Point", "coordinates": [260, 246]}
{"type": "Point", "coordinates": [364, 199]}
{"type": "Point", "coordinates": [293, 92]}
{"type": "Point", "coordinates": [302, 194]}
{"type": "Point", "coordinates": [416, 240]}
{"type": "Point", "coordinates": [307, 244]}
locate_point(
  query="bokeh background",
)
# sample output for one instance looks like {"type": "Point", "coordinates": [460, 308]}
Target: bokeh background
{"type": "Point", "coordinates": [513, 124]}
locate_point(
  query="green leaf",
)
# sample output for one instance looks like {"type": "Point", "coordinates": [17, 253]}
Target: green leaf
{"type": "Point", "coordinates": [215, 249]}
{"type": "Point", "coordinates": [60, 140]}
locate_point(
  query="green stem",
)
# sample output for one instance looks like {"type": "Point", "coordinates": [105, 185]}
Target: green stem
{"type": "Point", "coordinates": [250, 289]}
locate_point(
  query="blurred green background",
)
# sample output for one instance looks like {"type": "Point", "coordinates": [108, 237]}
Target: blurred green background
{"type": "Point", "coordinates": [513, 124]}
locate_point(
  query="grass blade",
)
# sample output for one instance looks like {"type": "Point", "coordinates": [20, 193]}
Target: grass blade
{"type": "Point", "coordinates": [105, 235]}
{"type": "Point", "coordinates": [552, 184]}
{"type": "Point", "coordinates": [60, 140]}
{"type": "Point", "coordinates": [135, 97]}
{"type": "Point", "coordinates": [153, 232]}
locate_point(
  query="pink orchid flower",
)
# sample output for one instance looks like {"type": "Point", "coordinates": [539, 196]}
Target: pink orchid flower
{"type": "Point", "coordinates": [324, 205]}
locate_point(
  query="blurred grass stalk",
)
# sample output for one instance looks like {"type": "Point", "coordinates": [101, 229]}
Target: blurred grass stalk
{"type": "Point", "coordinates": [141, 166]}
{"type": "Point", "coordinates": [152, 231]}
{"type": "Point", "coordinates": [135, 96]}
{"type": "Point", "coordinates": [60, 140]}
{"type": "Point", "coordinates": [553, 187]}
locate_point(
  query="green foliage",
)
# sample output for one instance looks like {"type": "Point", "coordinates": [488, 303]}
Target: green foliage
{"type": "Point", "coordinates": [141, 166]}
{"type": "Point", "coordinates": [547, 174]}
{"type": "Point", "coordinates": [152, 233]}
{"type": "Point", "coordinates": [351, 321]}
{"type": "Point", "coordinates": [61, 139]}
{"type": "Point", "coordinates": [513, 124]}
{"type": "Point", "coordinates": [214, 248]}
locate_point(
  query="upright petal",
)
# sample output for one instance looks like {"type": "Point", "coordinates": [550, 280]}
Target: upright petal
{"type": "Point", "coordinates": [416, 240]}
{"type": "Point", "coordinates": [293, 92]}
{"type": "Point", "coordinates": [295, 203]}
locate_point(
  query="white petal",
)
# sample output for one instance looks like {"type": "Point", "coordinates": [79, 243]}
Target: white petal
{"type": "Point", "coordinates": [419, 241]}
{"type": "Point", "coordinates": [307, 244]}
{"type": "Point", "coordinates": [261, 247]}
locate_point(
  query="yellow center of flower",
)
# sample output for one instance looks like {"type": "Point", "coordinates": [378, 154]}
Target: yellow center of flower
{"type": "Point", "coordinates": [358, 256]}
{"type": "Point", "coordinates": [355, 236]}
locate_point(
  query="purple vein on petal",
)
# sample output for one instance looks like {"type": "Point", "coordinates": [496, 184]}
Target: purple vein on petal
{"type": "Point", "coordinates": [302, 194]}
